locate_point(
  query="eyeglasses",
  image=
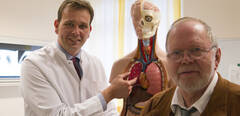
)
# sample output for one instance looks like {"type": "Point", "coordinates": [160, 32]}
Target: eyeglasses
{"type": "Point", "coordinates": [194, 53]}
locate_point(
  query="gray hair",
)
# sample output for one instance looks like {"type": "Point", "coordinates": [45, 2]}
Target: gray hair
{"type": "Point", "coordinates": [206, 26]}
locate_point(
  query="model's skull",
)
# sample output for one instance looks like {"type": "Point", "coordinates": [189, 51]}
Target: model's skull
{"type": "Point", "coordinates": [149, 22]}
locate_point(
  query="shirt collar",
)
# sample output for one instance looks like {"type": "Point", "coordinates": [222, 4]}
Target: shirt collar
{"type": "Point", "coordinates": [201, 103]}
{"type": "Point", "coordinates": [68, 56]}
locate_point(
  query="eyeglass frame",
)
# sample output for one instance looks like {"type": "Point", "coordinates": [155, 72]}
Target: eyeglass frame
{"type": "Point", "coordinates": [190, 53]}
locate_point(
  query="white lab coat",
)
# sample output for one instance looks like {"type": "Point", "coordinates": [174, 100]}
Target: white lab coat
{"type": "Point", "coordinates": [51, 87]}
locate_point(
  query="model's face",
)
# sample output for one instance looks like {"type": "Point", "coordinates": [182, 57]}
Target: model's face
{"type": "Point", "coordinates": [73, 29]}
{"type": "Point", "coordinates": [191, 74]}
{"type": "Point", "coordinates": [145, 17]}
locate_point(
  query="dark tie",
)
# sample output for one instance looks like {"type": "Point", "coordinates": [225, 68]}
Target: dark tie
{"type": "Point", "coordinates": [187, 112]}
{"type": "Point", "coordinates": [77, 67]}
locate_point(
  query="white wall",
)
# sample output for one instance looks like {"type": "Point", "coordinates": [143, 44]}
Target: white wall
{"type": "Point", "coordinates": [28, 21]}
{"type": "Point", "coordinates": [11, 102]}
{"type": "Point", "coordinates": [223, 16]}
{"type": "Point", "coordinates": [230, 57]}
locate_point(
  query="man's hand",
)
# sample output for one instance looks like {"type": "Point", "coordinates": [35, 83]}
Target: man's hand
{"type": "Point", "coordinates": [119, 87]}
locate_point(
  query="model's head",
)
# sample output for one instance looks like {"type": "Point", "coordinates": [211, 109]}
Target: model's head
{"type": "Point", "coordinates": [145, 18]}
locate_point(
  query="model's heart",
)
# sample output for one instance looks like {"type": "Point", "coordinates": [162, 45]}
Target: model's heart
{"type": "Point", "coordinates": [135, 71]}
{"type": "Point", "coordinates": [150, 80]}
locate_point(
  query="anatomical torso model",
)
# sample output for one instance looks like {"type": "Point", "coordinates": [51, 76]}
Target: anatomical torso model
{"type": "Point", "coordinates": [146, 62]}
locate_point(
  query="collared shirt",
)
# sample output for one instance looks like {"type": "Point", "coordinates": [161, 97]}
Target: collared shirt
{"type": "Point", "coordinates": [200, 104]}
{"type": "Point", "coordinates": [69, 57]}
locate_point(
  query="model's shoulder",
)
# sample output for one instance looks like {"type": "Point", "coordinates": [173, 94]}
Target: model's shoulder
{"type": "Point", "coordinates": [125, 60]}
{"type": "Point", "coordinates": [127, 57]}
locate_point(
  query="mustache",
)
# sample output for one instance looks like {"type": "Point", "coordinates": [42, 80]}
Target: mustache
{"type": "Point", "coordinates": [183, 69]}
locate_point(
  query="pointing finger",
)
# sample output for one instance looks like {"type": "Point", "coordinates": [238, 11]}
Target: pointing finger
{"type": "Point", "coordinates": [133, 81]}
{"type": "Point", "coordinates": [124, 75]}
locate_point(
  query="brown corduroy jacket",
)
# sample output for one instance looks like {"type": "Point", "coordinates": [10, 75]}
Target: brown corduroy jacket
{"type": "Point", "coordinates": [224, 101]}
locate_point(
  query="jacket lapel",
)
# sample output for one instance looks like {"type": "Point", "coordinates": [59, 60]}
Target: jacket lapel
{"type": "Point", "coordinates": [165, 108]}
{"type": "Point", "coordinates": [217, 104]}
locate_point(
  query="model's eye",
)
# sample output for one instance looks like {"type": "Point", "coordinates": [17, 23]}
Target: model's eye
{"type": "Point", "coordinates": [148, 18]}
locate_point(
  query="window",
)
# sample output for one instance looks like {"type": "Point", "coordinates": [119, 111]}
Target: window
{"type": "Point", "coordinates": [11, 56]}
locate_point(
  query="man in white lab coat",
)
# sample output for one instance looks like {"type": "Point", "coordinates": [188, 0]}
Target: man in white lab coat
{"type": "Point", "coordinates": [62, 79]}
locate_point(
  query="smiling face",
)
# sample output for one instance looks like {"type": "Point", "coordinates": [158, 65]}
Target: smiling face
{"type": "Point", "coordinates": [73, 30]}
{"type": "Point", "coordinates": [191, 74]}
